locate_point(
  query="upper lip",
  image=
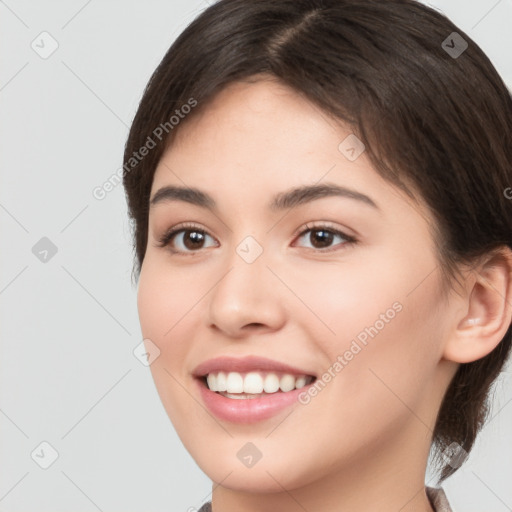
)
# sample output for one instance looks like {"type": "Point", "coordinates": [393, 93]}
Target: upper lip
{"type": "Point", "coordinates": [245, 364]}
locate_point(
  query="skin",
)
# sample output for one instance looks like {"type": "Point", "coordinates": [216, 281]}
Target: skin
{"type": "Point", "coordinates": [362, 443]}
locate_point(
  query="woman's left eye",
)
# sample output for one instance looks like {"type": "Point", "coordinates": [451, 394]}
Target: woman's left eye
{"type": "Point", "coordinates": [321, 237]}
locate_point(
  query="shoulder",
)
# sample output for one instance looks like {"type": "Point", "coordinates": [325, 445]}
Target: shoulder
{"type": "Point", "coordinates": [438, 499]}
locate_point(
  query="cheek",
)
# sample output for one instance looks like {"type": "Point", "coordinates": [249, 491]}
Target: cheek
{"type": "Point", "coordinates": [165, 305]}
{"type": "Point", "coordinates": [165, 298]}
{"type": "Point", "coordinates": [383, 389]}
{"type": "Point", "coordinates": [165, 302]}
{"type": "Point", "coordinates": [153, 300]}
{"type": "Point", "coordinates": [382, 332]}
{"type": "Point", "coordinates": [339, 301]}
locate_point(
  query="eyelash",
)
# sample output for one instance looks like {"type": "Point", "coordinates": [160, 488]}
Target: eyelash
{"type": "Point", "coordinates": [166, 238]}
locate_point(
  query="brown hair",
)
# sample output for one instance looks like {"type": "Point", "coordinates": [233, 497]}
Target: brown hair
{"type": "Point", "coordinates": [432, 119]}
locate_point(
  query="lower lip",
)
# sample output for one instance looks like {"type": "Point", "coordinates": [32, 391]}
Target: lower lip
{"type": "Point", "coordinates": [249, 410]}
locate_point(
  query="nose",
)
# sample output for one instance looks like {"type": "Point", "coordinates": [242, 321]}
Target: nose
{"type": "Point", "coordinates": [246, 298]}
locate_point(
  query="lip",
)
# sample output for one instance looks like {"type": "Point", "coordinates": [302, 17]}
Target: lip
{"type": "Point", "coordinates": [246, 364]}
{"type": "Point", "coordinates": [251, 410]}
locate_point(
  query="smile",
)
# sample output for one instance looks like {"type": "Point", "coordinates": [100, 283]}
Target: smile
{"type": "Point", "coordinates": [250, 408]}
{"type": "Point", "coordinates": [254, 384]}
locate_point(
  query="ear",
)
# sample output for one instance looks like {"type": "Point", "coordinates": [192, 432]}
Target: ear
{"type": "Point", "coordinates": [486, 312]}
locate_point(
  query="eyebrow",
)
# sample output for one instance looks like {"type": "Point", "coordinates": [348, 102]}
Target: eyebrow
{"type": "Point", "coordinates": [281, 201]}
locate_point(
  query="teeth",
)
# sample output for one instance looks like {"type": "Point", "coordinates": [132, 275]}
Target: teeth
{"type": "Point", "coordinates": [287, 383]}
{"type": "Point", "coordinates": [271, 384]}
{"type": "Point", "coordinates": [221, 382]}
{"type": "Point", "coordinates": [234, 383]}
{"type": "Point", "coordinates": [300, 382]}
{"type": "Point", "coordinates": [255, 383]}
{"type": "Point", "coordinates": [212, 382]}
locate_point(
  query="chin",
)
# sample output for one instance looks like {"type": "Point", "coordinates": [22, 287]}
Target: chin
{"type": "Point", "coordinates": [269, 477]}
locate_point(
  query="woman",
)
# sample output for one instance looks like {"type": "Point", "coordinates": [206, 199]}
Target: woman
{"type": "Point", "coordinates": [323, 242]}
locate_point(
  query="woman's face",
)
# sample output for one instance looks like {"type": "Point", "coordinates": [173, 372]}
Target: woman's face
{"type": "Point", "coordinates": [366, 317]}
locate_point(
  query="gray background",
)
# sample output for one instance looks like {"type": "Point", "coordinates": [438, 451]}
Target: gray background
{"type": "Point", "coordinates": [69, 324]}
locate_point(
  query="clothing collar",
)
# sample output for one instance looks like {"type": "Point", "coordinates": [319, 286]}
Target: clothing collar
{"type": "Point", "coordinates": [436, 496]}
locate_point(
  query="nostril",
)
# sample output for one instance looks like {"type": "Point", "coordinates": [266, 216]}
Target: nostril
{"type": "Point", "coordinates": [254, 325]}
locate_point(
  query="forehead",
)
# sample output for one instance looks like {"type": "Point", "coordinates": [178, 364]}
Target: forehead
{"type": "Point", "coordinates": [262, 137]}
{"type": "Point", "coordinates": [255, 128]}
{"type": "Point", "coordinates": [259, 110]}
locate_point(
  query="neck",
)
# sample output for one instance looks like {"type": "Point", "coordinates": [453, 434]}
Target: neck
{"type": "Point", "coordinates": [389, 476]}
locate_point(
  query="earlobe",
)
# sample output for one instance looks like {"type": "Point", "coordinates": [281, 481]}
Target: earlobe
{"type": "Point", "coordinates": [488, 310]}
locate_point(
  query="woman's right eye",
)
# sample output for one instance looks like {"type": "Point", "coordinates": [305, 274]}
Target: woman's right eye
{"type": "Point", "coordinates": [184, 239]}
